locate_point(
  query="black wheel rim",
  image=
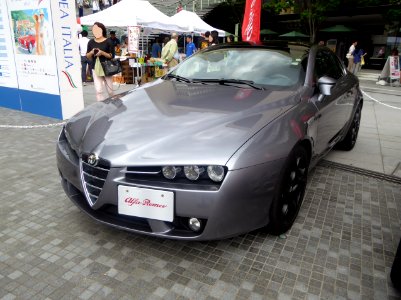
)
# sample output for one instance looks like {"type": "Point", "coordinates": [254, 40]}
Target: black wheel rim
{"type": "Point", "coordinates": [293, 188]}
{"type": "Point", "coordinates": [355, 125]}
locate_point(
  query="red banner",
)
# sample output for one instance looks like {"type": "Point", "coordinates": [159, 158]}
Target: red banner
{"type": "Point", "coordinates": [251, 24]}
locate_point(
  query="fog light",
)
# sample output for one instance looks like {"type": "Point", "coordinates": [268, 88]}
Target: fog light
{"type": "Point", "coordinates": [194, 224]}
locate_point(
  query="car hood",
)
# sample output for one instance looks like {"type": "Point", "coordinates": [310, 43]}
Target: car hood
{"type": "Point", "coordinates": [169, 122]}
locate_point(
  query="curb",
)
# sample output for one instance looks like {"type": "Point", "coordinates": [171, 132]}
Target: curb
{"type": "Point", "coordinates": [360, 171]}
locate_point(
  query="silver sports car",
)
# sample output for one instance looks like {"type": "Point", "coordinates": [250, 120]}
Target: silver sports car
{"type": "Point", "coordinates": [219, 146]}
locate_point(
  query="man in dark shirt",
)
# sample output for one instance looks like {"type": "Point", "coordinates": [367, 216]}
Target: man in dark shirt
{"type": "Point", "coordinates": [114, 39]}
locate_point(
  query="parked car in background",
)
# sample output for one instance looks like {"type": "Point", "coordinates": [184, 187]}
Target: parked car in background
{"type": "Point", "coordinates": [219, 146]}
{"type": "Point", "coordinates": [27, 42]}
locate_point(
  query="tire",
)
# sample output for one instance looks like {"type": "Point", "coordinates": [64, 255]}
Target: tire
{"type": "Point", "coordinates": [290, 191]}
{"type": "Point", "coordinates": [395, 273]}
{"type": "Point", "coordinates": [349, 141]}
{"type": "Point", "coordinates": [30, 47]}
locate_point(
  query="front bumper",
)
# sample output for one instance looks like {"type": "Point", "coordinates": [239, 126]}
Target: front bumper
{"type": "Point", "coordinates": [241, 204]}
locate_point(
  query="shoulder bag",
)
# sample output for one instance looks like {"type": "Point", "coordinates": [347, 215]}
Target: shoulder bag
{"type": "Point", "coordinates": [111, 67]}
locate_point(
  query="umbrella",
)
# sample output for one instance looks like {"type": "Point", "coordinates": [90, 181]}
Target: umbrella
{"type": "Point", "coordinates": [294, 34]}
{"type": "Point", "coordinates": [267, 31]}
{"type": "Point", "coordinates": [338, 28]}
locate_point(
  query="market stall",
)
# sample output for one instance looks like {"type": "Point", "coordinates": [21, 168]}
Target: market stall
{"type": "Point", "coordinates": [191, 22]}
{"type": "Point", "coordinates": [133, 13]}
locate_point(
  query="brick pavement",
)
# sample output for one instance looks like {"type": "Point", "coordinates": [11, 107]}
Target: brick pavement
{"type": "Point", "coordinates": [341, 246]}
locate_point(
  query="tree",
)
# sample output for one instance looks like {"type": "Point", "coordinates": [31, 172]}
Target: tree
{"type": "Point", "coordinates": [313, 12]}
{"type": "Point", "coordinates": [233, 12]}
{"type": "Point", "coordinates": [393, 16]}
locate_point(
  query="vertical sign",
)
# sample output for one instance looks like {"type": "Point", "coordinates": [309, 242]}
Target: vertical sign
{"type": "Point", "coordinates": [68, 56]}
{"type": "Point", "coordinates": [251, 23]}
{"type": "Point", "coordinates": [39, 40]}
{"type": "Point", "coordinates": [133, 38]}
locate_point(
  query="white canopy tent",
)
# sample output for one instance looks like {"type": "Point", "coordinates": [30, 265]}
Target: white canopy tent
{"type": "Point", "coordinates": [133, 13]}
{"type": "Point", "coordinates": [193, 23]}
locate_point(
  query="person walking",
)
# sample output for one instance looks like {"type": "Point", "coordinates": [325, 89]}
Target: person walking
{"type": "Point", "coordinates": [100, 49]}
{"type": "Point", "coordinates": [350, 56]}
{"type": "Point", "coordinates": [83, 47]}
{"type": "Point", "coordinates": [190, 49]}
{"type": "Point", "coordinates": [358, 55]}
{"type": "Point", "coordinates": [170, 51]}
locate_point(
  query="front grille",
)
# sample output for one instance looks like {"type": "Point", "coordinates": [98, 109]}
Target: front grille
{"type": "Point", "coordinates": [93, 178]}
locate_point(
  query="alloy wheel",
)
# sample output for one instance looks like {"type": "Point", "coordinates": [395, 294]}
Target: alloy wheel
{"type": "Point", "coordinates": [293, 189]}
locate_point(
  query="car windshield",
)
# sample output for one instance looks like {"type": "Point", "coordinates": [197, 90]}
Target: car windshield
{"type": "Point", "coordinates": [259, 66]}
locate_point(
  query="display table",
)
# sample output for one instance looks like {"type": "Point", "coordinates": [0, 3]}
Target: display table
{"type": "Point", "coordinates": [133, 71]}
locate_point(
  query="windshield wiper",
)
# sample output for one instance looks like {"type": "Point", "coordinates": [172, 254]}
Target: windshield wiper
{"type": "Point", "coordinates": [224, 81]}
{"type": "Point", "coordinates": [179, 78]}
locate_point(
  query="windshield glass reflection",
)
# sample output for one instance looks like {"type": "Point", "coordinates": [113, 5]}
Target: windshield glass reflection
{"type": "Point", "coordinates": [261, 66]}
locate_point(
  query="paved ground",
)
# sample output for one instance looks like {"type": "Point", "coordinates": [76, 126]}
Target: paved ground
{"type": "Point", "coordinates": [379, 142]}
{"type": "Point", "coordinates": [341, 246]}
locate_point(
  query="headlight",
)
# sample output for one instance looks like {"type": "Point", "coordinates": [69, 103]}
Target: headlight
{"type": "Point", "coordinates": [61, 136]}
{"type": "Point", "coordinates": [192, 172]}
{"type": "Point", "coordinates": [216, 173]}
{"type": "Point", "coordinates": [170, 172]}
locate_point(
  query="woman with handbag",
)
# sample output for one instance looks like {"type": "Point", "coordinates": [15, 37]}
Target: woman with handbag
{"type": "Point", "coordinates": [359, 59]}
{"type": "Point", "coordinates": [100, 52]}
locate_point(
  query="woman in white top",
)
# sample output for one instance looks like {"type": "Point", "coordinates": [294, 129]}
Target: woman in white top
{"type": "Point", "coordinates": [350, 56]}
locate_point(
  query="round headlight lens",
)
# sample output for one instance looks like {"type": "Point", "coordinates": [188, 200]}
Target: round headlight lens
{"type": "Point", "coordinates": [216, 173]}
{"type": "Point", "coordinates": [192, 172]}
{"type": "Point", "coordinates": [169, 172]}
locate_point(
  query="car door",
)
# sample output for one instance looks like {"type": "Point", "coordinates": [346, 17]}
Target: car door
{"type": "Point", "coordinates": [333, 109]}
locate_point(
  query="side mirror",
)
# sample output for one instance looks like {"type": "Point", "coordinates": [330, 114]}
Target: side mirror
{"type": "Point", "coordinates": [325, 84]}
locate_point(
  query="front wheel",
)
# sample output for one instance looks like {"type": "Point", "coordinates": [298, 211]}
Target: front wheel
{"type": "Point", "coordinates": [290, 191]}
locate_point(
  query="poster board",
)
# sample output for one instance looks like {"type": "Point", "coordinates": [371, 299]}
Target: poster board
{"type": "Point", "coordinates": [39, 57]}
{"type": "Point", "coordinates": [394, 67]}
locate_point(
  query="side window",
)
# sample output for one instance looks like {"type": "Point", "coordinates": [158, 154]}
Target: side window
{"type": "Point", "coordinates": [336, 69]}
{"type": "Point", "coordinates": [327, 64]}
{"type": "Point", "coordinates": [321, 64]}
